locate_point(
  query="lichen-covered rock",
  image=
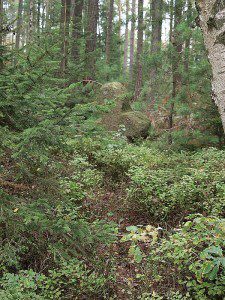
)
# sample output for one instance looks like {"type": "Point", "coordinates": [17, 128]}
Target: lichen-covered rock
{"type": "Point", "coordinates": [112, 90]}
{"type": "Point", "coordinates": [136, 124]}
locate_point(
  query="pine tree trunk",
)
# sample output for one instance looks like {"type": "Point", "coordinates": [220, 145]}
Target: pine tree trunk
{"type": "Point", "coordinates": [188, 39]}
{"type": "Point", "coordinates": [176, 61]}
{"type": "Point", "coordinates": [91, 36]}
{"type": "Point", "coordinates": [139, 75]}
{"type": "Point", "coordinates": [1, 35]}
{"type": "Point", "coordinates": [77, 28]}
{"type": "Point", "coordinates": [65, 22]}
{"type": "Point", "coordinates": [132, 36]}
{"type": "Point", "coordinates": [156, 39]}
{"type": "Point", "coordinates": [212, 22]}
{"type": "Point", "coordinates": [19, 24]}
{"type": "Point", "coordinates": [31, 20]}
{"type": "Point", "coordinates": [120, 17]}
{"type": "Point", "coordinates": [109, 32]}
{"type": "Point", "coordinates": [126, 40]}
{"type": "Point", "coordinates": [38, 16]}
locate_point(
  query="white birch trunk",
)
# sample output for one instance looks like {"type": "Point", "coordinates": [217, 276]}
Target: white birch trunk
{"type": "Point", "coordinates": [212, 22]}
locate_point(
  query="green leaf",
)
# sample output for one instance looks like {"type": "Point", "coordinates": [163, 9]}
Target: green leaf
{"type": "Point", "coordinates": [132, 228]}
{"type": "Point", "coordinates": [213, 274]}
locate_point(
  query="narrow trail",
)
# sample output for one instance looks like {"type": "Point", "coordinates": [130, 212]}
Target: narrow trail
{"type": "Point", "coordinates": [111, 208]}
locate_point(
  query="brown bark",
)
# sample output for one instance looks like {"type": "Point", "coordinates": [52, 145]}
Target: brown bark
{"type": "Point", "coordinates": [109, 32]}
{"type": "Point", "coordinates": [120, 17]}
{"type": "Point", "coordinates": [156, 36]}
{"type": "Point", "coordinates": [91, 35]}
{"type": "Point", "coordinates": [132, 36]}
{"type": "Point", "coordinates": [1, 35]}
{"type": "Point", "coordinates": [126, 39]}
{"type": "Point", "coordinates": [77, 28]}
{"type": "Point", "coordinates": [188, 39]}
{"type": "Point", "coordinates": [38, 16]}
{"type": "Point", "coordinates": [176, 61]}
{"type": "Point", "coordinates": [139, 79]}
{"type": "Point", "coordinates": [19, 24]}
{"type": "Point", "coordinates": [65, 22]}
{"type": "Point", "coordinates": [31, 20]}
{"type": "Point", "coordinates": [212, 22]}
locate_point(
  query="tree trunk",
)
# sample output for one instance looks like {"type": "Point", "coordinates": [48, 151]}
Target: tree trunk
{"type": "Point", "coordinates": [65, 22]}
{"type": "Point", "coordinates": [91, 36]}
{"type": "Point", "coordinates": [139, 78]}
{"type": "Point", "coordinates": [176, 61]}
{"type": "Point", "coordinates": [109, 32]}
{"type": "Point", "coordinates": [31, 20]}
{"type": "Point", "coordinates": [19, 24]}
{"type": "Point", "coordinates": [188, 40]}
{"type": "Point", "coordinates": [1, 35]}
{"type": "Point", "coordinates": [132, 35]}
{"type": "Point", "coordinates": [156, 39]}
{"type": "Point", "coordinates": [120, 17]}
{"type": "Point", "coordinates": [212, 22]}
{"type": "Point", "coordinates": [126, 40]}
{"type": "Point", "coordinates": [77, 28]}
{"type": "Point", "coordinates": [38, 17]}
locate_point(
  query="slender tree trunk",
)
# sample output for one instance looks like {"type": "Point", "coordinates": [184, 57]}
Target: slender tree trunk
{"type": "Point", "coordinates": [65, 22]}
{"type": "Point", "coordinates": [38, 17]}
{"type": "Point", "coordinates": [156, 39]}
{"type": "Point", "coordinates": [119, 5]}
{"type": "Point", "coordinates": [126, 39]}
{"type": "Point", "coordinates": [19, 24]}
{"type": "Point", "coordinates": [176, 61]}
{"type": "Point", "coordinates": [91, 36]}
{"type": "Point", "coordinates": [1, 35]}
{"type": "Point", "coordinates": [109, 32]}
{"type": "Point", "coordinates": [31, 20]}
{"type": "Point", "coordinates": [212, 22]}
{"type": "Point", "coordinates": [132, 36]}
{"type": "Point", "coordinates": [77, 28]}
{"type": "Point", "coordinates": [188, 39]}
{"type": "Point", "coordinates": [139, 78]}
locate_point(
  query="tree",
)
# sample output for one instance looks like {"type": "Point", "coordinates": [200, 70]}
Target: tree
{"type": "Point", "coordinates": [77, 28]}
{"type": "Point", "coordinates": [19, 24]}
{"type": "Point", "coordinates": [132, 36]}
{"type": "Point", "coordinates": [65, 22]}
{"type": "Point", "coordinates": [156, 39]}
{"type": "Point", "coordinates": [1, 34]}
{"type": "Point", "coordinates": [119, 5]}
{"type": "Point", "coordinates": [91, 35]}
{"type": "Point", "coordinates": [126, 39]}
{"type": "Point", "coordinates": [31, 20]}
{"type": "Point", "coordinates": [176, 60]}
{"type": "Point", "coordinates": [139, 79]}
{"type": "Point", "coordinates": [109, 31]}
{"type": "Point", "coordinates": [212, 22]}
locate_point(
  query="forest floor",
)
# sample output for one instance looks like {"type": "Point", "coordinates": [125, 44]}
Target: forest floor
{"type": "Point", "coordinates": [109, 206]}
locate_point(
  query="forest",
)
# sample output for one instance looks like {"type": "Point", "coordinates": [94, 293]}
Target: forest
{"type": "Point", "coordinates": [112, 149]}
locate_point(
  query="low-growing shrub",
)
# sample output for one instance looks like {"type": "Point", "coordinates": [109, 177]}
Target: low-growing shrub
{"type": "Point", "coordinates": [193, 184]}
{"type": "Point", "coordinates": [193, 259]}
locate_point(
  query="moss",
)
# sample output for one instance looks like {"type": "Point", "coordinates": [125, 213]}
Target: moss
{"type": "Point", "coordinates": [136, 124]}
{"type": "Point", "coordinates": [112, 90]}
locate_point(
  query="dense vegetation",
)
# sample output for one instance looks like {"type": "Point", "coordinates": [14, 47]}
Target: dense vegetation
{"type": "Point", "coordinates": [112, 160]}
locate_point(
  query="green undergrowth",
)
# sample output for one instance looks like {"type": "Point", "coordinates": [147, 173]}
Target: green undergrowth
{"type": "Point", "coordinates": [54, 248]}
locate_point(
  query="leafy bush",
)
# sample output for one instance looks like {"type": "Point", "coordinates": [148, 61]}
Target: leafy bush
{"type": "Point", "coordinates": [195, 256]}
{"type": "Point", "coordinates": [72, 279]}
{"type": "Point", "coordinates": [183, 184]}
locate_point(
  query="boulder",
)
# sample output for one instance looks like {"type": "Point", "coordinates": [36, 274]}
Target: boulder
{"type": "Point", "coordinates": [111, 90]}
{"type": "Point", "coordinates": [136, 124]}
